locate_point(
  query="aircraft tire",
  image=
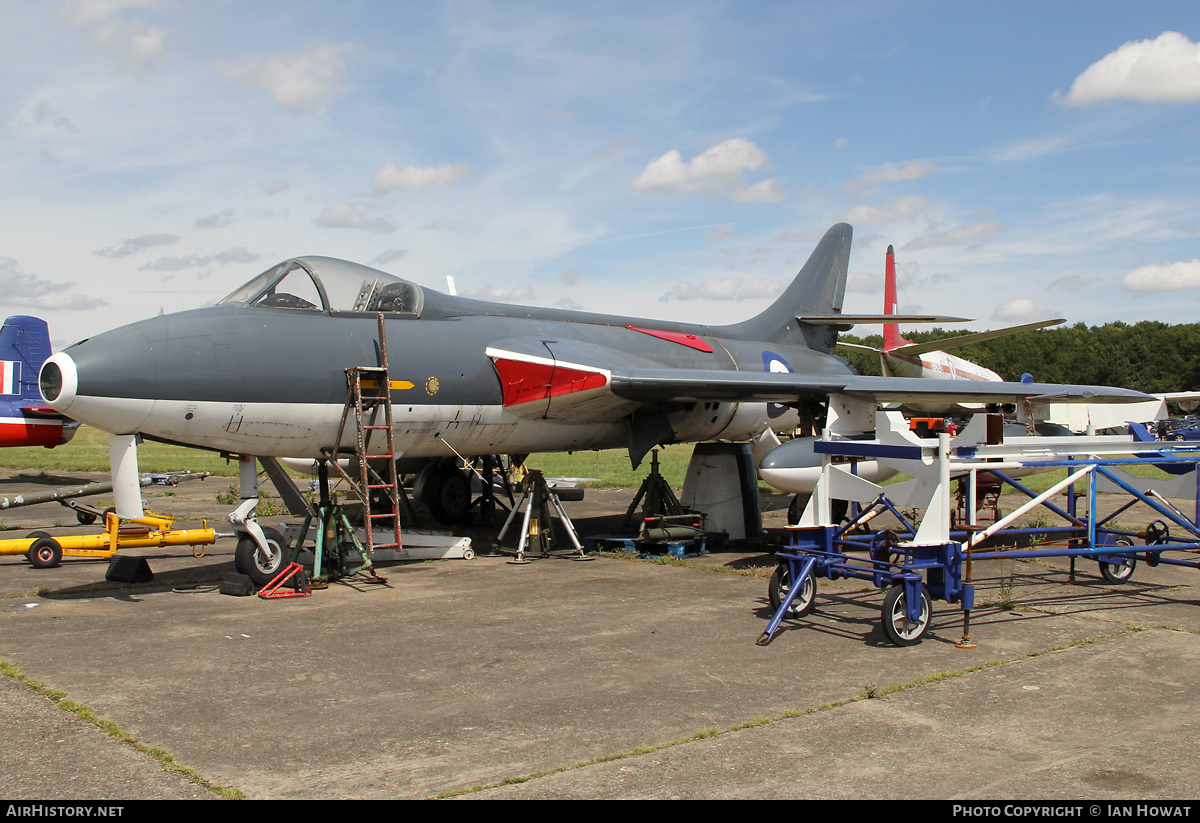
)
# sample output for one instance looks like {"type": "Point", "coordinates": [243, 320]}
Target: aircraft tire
{"type": "Point", "coordinates": [249, 560]}
{"type": "Point", "coordinates": [45, 553]}
{"type": "Point", "coordinates": [449, 496]}
{"type": "Point", "coordinates": [780, 585]}
{"type": "Point", "coordinates": [796, 508]}
{"type": "Point", "coordinates": [899, 629]}
{"type": "Point", "coordinates": [838, 509]}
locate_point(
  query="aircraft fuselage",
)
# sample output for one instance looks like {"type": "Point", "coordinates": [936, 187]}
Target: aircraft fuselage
{"type": "Point", "coordinates": [271, 381]}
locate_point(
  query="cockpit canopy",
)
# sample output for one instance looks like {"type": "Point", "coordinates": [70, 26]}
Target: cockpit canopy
{"type": "Point", "coordinates": [327, 284]}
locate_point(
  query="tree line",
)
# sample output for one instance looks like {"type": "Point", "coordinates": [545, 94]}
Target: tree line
{"type": "Point", "coordinates": [1147, 356]}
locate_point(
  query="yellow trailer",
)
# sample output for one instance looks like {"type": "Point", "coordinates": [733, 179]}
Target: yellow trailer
{"type": "Point", "coordinates": [150, 531]}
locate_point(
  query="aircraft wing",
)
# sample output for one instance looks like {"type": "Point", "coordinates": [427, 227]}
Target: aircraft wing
{"type": "Point", "coordinates": [648, 385]}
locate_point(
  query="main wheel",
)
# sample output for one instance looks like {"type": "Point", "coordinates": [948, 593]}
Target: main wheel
{"type": "Point", "coordinates": [896, 625]}
{"type": "Point", "coordinates": [796, 508]}
{"type": "Point", "coordinates": [262, 568]}
{"type": "Point", "coordinates": [45, 553]}
{"type": "Point", "coordinates": [449, 498]}
{"type": "Point", "coordinates": [85, 518]}
{"type": "Point", "coordinates": [781, 584]}
{"type": "Point", "coordinates": [1121, 571]}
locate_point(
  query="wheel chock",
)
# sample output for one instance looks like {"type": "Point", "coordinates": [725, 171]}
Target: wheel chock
{"type": "Point", "coordinates": [293, 576]}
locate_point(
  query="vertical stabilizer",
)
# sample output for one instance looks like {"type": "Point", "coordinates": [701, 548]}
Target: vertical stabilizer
{"type": "Point", "coordinates": [818, 289]}
{"type": "Point", "coordinates": [891, 331]}
{"type": "Point", "coordinates": [24, 347]}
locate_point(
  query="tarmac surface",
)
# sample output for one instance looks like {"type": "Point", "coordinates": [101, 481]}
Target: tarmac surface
{"type": "Point", "coordinates": [561, 678]}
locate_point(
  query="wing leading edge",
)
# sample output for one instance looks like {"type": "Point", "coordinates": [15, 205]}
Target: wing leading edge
{"type": "Point", "coordinates": [693, 385]}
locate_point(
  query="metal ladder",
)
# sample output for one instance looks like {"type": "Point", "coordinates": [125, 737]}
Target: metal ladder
{"type": "Point", "coordinates": [368, 393]}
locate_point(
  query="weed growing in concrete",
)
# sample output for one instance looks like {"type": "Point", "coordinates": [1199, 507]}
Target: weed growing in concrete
{"type": "Point", "coordinates": [87, 714]}
{"type": "Point", "coordinates": [1006, 585]}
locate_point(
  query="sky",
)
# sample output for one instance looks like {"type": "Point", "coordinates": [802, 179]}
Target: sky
{"type": "Point", "coordinates": [672, 160]}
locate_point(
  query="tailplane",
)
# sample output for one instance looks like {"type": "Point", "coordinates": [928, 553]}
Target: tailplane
{"type": "Point", "coordinates": [24, 346]}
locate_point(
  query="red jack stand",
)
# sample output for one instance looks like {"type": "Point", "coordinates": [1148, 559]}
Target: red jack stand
{"type": "Point", "coordinates": [299, 584]}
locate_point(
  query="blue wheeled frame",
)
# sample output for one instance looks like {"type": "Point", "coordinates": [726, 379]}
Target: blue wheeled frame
{"type": "Point", "coordinates": [915, 572]}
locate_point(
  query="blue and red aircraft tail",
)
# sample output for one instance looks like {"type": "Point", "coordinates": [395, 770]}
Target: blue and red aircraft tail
{"type": "Point", "coordinates": [24, 347]}
{"type": "Point", "coordinates": [25, 419]}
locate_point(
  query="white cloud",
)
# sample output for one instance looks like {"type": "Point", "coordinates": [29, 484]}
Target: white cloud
{"type": "Point", "coordinates": [239, 255]}
{"type": "Point", "coordinates": [1021, 310]}
{"type": "Point", "coordinates": [725, 289]}
{"type": "Point", "coordinates": [517, 294]}
{"type": "Point", "coordinates": [888, 173]}
{"type": "Point", "coordinates": [766, 191]}
{"type": "Point", "coordinates": [135, 44]}
{"type": "Point", "coordinates": [1164, 277]}
{"type": "Point", "coordinates": [390, 176]}
{"type": "Point", "coordinates": [300, 86]}
{"type": "Point", "coordinates": [216, 221]}
{"type": "Point", "coordinates": [718, 170]}
{"type": "Point", "coordinates": [959, 236]}
{"type": "Point", "coordinates": [903, 210]}
{"type": "Point", "coordinates": [274, 187]}
{"type": "Point", "coordinates": [175, 263]}
{"type": "Point", "coordinates": [23, 289]}
{"type": "Point", "coordinates": [44, 113]}
{"type": "Point", "coordinates": [1166, 69]}
{"type": "Point", "coordinates": [1070, 282]}
{"type": "Point", "coordinates": [1032, 149]}
{"type": "Point", "coordinates": [389, 256]}
{"type": "Point", "coordinates": [137, 244]}
{"type": "Point", "coordinates": [348, 216]}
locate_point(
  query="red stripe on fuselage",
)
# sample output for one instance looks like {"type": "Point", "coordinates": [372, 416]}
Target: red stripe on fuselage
{"type": "Point", "coordinates": [682, 338]}
{"type": "Point", "coordinates": [925, 364]}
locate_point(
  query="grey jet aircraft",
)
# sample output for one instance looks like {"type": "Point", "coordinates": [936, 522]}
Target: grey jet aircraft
{"type": "Point", "coordinates": [262, 372]}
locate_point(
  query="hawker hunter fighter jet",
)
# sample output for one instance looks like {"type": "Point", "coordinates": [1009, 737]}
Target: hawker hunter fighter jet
{"type": "Point", "coordinates": [262, 372]}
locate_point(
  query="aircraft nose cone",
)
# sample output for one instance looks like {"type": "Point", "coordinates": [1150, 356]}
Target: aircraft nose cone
{"type": "Point", "coordinates": [95, 382]}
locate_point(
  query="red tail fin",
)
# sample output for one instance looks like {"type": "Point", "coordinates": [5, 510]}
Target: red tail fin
{"type": "Point", "coordinates": [891, 331]}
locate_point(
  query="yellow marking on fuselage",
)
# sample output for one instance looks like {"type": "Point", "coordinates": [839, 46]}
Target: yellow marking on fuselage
{"type": "Point", "coordinates": [394, 385]}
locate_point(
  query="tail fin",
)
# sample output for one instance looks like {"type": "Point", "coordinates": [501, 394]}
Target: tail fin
{"type": "Point", "coordinates": [24, 347]}
{"type": "Point", "coordinates": [891, 331]}
{"type": "Point", "coordinates": [818, 288]}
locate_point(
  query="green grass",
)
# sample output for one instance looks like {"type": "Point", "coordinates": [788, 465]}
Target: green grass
{"type": "Point", "coordinates": [612, 466]}
{"type": "Point", "coordinates": [88, 452]}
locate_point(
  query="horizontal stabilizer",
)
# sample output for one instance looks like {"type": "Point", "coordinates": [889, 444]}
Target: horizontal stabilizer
{"type": "Point", "coordinates": [878, 319]}
{"type": "Point", "coordinates": [913, 349]}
